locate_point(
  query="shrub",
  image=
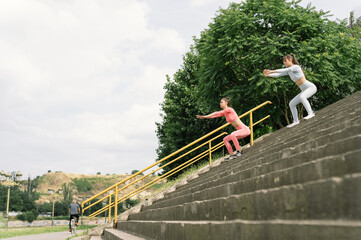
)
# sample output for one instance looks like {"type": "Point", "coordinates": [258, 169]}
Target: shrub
{"type": "Point", "coordinates": [82, 185]}
{"type": "Point", "coordinates": [28, 216]}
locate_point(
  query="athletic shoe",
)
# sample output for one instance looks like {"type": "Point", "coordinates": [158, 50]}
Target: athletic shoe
{"type": "Point", "coordinates": [70, 230]}
{"type": "Point", "coordinates": [309, 116]}
{"type": "Point", "coordinates": [237, 153]}
{"type": "Point", "coordinates": [293, 124]}
{"type": "Point", "coordinates": [230, 157]}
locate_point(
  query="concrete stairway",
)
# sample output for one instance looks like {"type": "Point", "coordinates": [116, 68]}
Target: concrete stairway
{"type": "Point", "coordinates": [299, 183]}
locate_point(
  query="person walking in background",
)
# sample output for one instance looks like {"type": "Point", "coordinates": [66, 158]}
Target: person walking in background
{"type": "Point", "coordinates": [308, 89]}
{"type": "Point", "coordinates": [231, 117]}
{"type": "Point", "coordinates": [74, 210]}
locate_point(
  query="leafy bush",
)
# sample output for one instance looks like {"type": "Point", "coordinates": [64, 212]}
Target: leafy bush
{"type": "Point", "coordinates": [82, 184]}
{"type": "Point", "coordinates": [135, 171]}
{"type": "Point", "coordinates": [28, 216]}
{"type": "Point", "coordinates": [45, 208]}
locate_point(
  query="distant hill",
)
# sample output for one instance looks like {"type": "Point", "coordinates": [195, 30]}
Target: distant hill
{"type": "Point", "coordinates": [84, 185]}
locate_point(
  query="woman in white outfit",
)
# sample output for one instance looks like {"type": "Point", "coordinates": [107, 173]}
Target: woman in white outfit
{"type": "Point", "coordinates": [308, 89]}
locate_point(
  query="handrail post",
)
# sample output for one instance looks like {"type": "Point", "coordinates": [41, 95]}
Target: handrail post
{"type": "Point", "coordinates": [210, 152]}
{"type": "Point", "coordinates": [110, 208]}
{"type": "Point", "coordinates": [251, 126]}
{"type": "Point", "coordinates": [116, 205]}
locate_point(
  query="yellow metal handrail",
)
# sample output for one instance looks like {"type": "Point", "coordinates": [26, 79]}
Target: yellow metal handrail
{"type": "Point", "coordinates": [114, 190]}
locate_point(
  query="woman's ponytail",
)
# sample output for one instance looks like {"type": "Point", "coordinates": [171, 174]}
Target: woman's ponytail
{"type": "Point", "coordinates": [292, 57]}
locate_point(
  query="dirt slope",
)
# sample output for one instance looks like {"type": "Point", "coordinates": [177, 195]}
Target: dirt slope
{"type": "Point", "coordinates": [54, 181]}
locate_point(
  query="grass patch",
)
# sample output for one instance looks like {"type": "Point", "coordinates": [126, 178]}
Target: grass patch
{"type": "Point", "coordinates": [16, 232]}
{"type": "Point", "coordinates": [2, 221]}
{"type": "Point", "coordinates": [85, 232]}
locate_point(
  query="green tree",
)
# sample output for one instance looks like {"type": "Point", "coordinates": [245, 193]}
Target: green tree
{"type": "Point", "coordinates": [248, 37]}
{"type": "Point", "coordinates": [67, 193]}
{"type": "Point", "coordinates": [19, 200]}
{"type": "Point", "coordinates": [229, 57]}
{"type": "Point", "coordinates": [96, 207]}
{"type": "Point", "coordinates": [135, 171]}
{"type": "Point", "coordinates": [45, 208]}
{"type": "Point", "coordinates": [179, 124]}
{"type": "Point", "coordinates": [61, 208]}
{"type": "Point", "coordinates": [31, 186]}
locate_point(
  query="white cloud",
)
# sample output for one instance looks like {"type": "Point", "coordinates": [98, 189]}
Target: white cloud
{"type": "Point", "coordinates": [73, 84]}
{"type": "Point", "coordinates": [168, 39]}
{"type": "Point", "coordinates": [199, 3]}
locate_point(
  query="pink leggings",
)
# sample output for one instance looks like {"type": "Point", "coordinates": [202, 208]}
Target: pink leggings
{"type": "Point", "coordinates": [242, 132]}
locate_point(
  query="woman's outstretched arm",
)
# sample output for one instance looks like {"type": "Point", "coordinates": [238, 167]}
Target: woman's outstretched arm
{"type": "Point", "coordinates": [212, 115]}
{"type": "Point", "coordinates": [275, 73]}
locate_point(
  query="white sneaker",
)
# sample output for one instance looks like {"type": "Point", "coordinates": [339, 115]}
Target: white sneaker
{"type": "Point", "coordinates": [293, 124]}
{"type": "Point", "coordinates": [237, 153]}
{"type": "Point", "coordinates": [309, 116]}
{"type": "Point", "coordinates": [230, 157]}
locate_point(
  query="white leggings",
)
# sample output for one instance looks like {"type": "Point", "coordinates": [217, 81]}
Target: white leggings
{"type": "Point", "coordinates": [307, 90]}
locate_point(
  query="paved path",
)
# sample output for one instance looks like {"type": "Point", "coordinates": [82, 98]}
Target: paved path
{"type": "Point", "coordinates": [44, 236]}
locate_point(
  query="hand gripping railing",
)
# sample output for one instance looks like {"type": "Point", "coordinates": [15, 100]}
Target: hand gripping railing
{"type": "Point", "coordinates": [116, 188]}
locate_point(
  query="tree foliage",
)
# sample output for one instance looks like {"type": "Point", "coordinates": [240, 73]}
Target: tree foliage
{"type": "Point", "coordinates": [67, 193]}
{"type": "Point", "coordinates": [28, 216]}
{"type": "Point", "coordinates": [19, 200]}
{"type": "Point", "coordinates": [179, 109]}
{"type": "Point", "coordinates": [228, 59]}
{"type": "Point", "coordinates": [246, 38]}
{"type": "Point", "coordinates": [82, 185]}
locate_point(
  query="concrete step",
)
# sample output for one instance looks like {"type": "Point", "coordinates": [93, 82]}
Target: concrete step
{"type": "Point", "coordinates": [285, 149]}
{"type": "Point", "coordinates": [331, 198]}
{"type": "Point", "coordinates": [308, 176]}
{"type": "Point", "coordinates": [116, 234]}
{"type": "Point", "coordinates": [96, 238]}
{"type": "Point", "coordinates": [278, 145]}
{"type": "Point", "coordinates": [264, 165]}
{"type": "Point", "coordinates": [307, 134]}
{"type": "Point", "coordinates": [322, 120]}
{"type": "Point", "coordinates": [252, 230]}
{"type": "Point", "coordinates": [309, 171]}
{"type": "Point", "coordinates": [287, 137]}
{"type": "Point", "coordinates": [259, 168]}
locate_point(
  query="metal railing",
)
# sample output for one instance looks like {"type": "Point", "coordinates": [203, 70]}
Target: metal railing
{"type": "Point", "coordinates": [113, 191]}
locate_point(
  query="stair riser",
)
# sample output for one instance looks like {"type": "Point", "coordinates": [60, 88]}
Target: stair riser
{"type": "Point", "coordinates": [277, 146]}
{"type": "Point", "coordinates": [329, 199]}
{"type": "Point", "coordinates": [308, 176]}
{"type": "Point", "coordinates": [239, 230]}
{"type": "Point", "coordinates": [312, 138]}
{"type": "Point", "coordinates": [263, 166]}
{"type": "Point", "coordinates": [110, 236]}
{"type": "Point", "coordinates": [306, 146]}
{"type": "Point", "coordinates": [332, 167]}
{"type": "Point", "coordinates": [284, 151]}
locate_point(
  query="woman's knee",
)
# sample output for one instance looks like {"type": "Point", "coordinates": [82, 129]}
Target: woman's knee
{"type": "Point", "coordinates": [293, 103]}
{"type": "Point", "coordinates": [303, 98]}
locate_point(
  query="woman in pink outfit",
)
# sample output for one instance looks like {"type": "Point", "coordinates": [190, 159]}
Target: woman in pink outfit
{"type": "Point", "coordinates": [231, 117]}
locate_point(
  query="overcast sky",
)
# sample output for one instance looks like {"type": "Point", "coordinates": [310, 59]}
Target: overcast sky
{"type": "Point", "coordinates": [81, 80]}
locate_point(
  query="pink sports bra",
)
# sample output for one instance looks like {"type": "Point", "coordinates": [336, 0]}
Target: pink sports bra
{"type": "Point", "coordinates": [229, 113]}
